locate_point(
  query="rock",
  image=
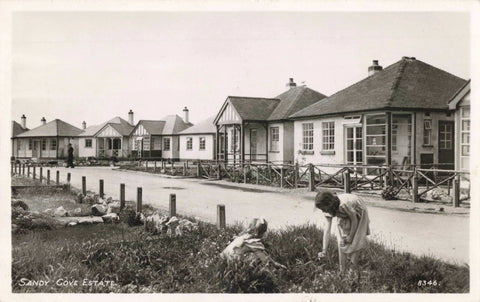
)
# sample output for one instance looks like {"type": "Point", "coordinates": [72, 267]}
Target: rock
{"type": "Point", "coordinates": [72, 223]}
{"type": "Point", "coordinates": [156, 223]}
{"type": "Point", "coordinates": [60, 212]}
{"type": "Point", "coordinates": [110, 218]}
{"type": "Point", "coordinates": [36, 213]}
{"type": "Point", "coordinates": [114, 207]}
{"type": "Point", "coordinates": [75, 212]}
{"type": "Point", "coordinates": [49, 212]}
{"type": "Point", "coordinates": [109, 199]}
{"type": "Point", "coordinates": [89, 200]}
{"type": "Point", "coordinates": [99, 209]}
{"type": "Point", "coordinates": [90, 220]}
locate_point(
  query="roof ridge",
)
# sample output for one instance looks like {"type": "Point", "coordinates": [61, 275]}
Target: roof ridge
{"type": "Point", "coordinates": [252, 97]}
{"type": "Point", "coordinates": [396, 82]}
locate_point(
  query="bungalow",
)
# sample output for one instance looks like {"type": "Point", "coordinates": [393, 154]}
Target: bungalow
{"type": "Point", "coordinates": [396, 116]}
{"type": "Point", "coordinates": [106, 140]}
{"type": "Point", "coordinates": [16, 130]}
{"type": "Point", "coordinates": [258, 129]}
{"type": "Point", "coordinates": [159, 139]}
{"type": "Point", "coordinates": [461, 104]}
{"type": "Point", "coordinates": [198, 141]}
{"type": "Point", "coordinates": [48, 141]}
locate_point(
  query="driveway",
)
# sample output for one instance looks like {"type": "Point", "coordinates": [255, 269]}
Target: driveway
{"type": "Point", "coordinates": [442, 236]}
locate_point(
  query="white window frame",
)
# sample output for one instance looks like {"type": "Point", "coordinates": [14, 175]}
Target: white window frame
{"type": "Point", "coordinates": [445, 143]}
{"type": "Point", "coordinates": [86, 143]}
{"type": "Point", "coordinates": [427, 132]}
{"type": "Point", "coordinates": [189, 143]}
{"type": "Point", "coordinates": [202, 143]}
{"type": "Point", "coordinates": [465, 131]}
{"type": "Point", "coordinates": [328, 136]}
{"type": "Point", "coordinates": [44, 144]}
{"type": "Point", "coordinates": [166, 143]}
{"type": "Point", "coordinates": [30, 144]}
{"type": "Point", "coordinates": [275, 138]}
{"type": "Point", "coordinates": [307, 136]}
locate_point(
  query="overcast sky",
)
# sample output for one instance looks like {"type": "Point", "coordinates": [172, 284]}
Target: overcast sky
{"type": "Point", "coordinates": [94, 66]}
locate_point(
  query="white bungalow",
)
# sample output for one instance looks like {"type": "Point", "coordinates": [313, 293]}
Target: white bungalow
{"type": "Point", "coordinates": [198, 141]}
{"type": "Point", "coordinates": [461, 104]}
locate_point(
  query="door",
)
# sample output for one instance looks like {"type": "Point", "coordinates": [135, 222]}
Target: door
{"type": "Point", "coordinates": [354, 146]}
{"type": "Point", "coordinates": [253, 144]}
{"type": "Point", "coordinates": [36, 149]}
{"type": "Point", "coordinates": [446, 153]}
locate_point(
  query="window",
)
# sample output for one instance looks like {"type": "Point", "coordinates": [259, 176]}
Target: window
{"type": "Point", "coordinates": [465, 131]}
{"type": "Point", "coordinates": [30, 144]}
{"type": "Point", "coordinates": [201, 143]}
{"type": "Point", "coordinates": [274, 138]}
{"type": "Point", "coordinates": [328, 138]}
{"type": "Point", "coordinates": [166, 143]}
{"type": "Point", "coordinates": [427, 132]}
{"type": "Point", "coordinates": [189, 143]}
{"type": "Point", "coordinates": [376, 142]}
{"type": "Point", "coordinates": [307, 134]}
{"type": "Point", "coordinates": [88, 143]}
{"type": "Point", "coordinates": [53, 144]}
{"type": "Point", "coordinates": [117, 144]}
{"type": "Point", "coordinates": [445, 139]}
{"type": "Point", "coordinates": [235, 138]}
{"type": "Point", "coordinates": [44, 144]}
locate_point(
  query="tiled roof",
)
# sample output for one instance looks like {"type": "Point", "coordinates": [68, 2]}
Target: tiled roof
{"type": "Point", "coordinates": [53, 128]}
{"type": "Point", "coordinates": [153, 127]}
{"type": "Point", "coordinates": [254, 109]}
{"type": "Point", "coordinates": [206, 126]}
{"type": "Point", "coordinates": [119, 124]}
{"type": "Point", "coordinates": [408, 83]}
{"type": "Point", "coordinates": [17, 129]}
{"type": "Point", "coordinates": [174, 124]}
{"type": "Point", "coordinates": [293, 100]}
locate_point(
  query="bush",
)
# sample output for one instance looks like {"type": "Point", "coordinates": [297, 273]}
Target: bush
{"type": "Point", "coordinates": [389, 193]}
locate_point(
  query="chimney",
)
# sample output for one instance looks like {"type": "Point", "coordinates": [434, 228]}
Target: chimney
{"type": "Point", "coordinates": [185, 115]}
{"type": "Point", "coordinates": [130, 117]}
{"type": "Point", "coordinates": [24, 121]}
{"type": "Point", "coordinates": [43, 120]}
{"type": "Point", "coordinates": [374, 68]}
{"type": "Point", "coordinates": [291, 83]}
{"type": "Point", "coordinates": [84, 125]}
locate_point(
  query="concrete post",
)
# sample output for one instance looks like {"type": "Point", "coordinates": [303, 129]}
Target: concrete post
{"type": "Point", "coordinates": [34, 172]}
{"type": "Point", "coordinates": [122, 196]}
{"type": "Point", "coordinates": [84, 185]}
{"type": "Point", "coordinates": [456, 192]}
{"type": "Point", "coordinates": [199, 171]}
{"type": "Point", "coordinates": [245, 174]}
{"type": "Point", "coordinates": [100, 185]}
{"type": "Point", "coordinates": [346, 182]}
{"type": "Point", "coordinates": [23, 169]}
{"type": "Point", "coordinates": [311, 179]}
{"type": "Point", "coordinates": [12, 170]}
{"type": "Point", "coordinates": [139, 199]}
{"type": "Point", "coordinates": [184, 169]}
{"type": "Point", "coordinates": [57, 179]}
{"type": "Point", "coordinates": [41, 174]}
{"type": "Point", "coordinates": [69, 177]}
{"type": "Point", "coordinates": [221, 221]}
{"type": "Point", "coordinates": [154, 166]}
{"type": "Point", "coordinates": [282, 177]}
{"type": "Point", "coordinates": [28, 171]}
{"type": "Point", "coordinates": [414, 186]}
{"type": "Point", "coordinates": [48, 177]}
{"type": "Point", "coordinates": [296, 174]}
{"type": "Point", "coordinates": [219, 172]}
{"type": "Point", "coordinates": [173, 205]}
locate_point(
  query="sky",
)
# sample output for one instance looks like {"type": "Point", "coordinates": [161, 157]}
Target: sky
{"type": "Point", "coordinates": [92, 66]}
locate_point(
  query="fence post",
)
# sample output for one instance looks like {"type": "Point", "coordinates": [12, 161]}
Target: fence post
{"type": "Point", "coordinates": [282, 177]}
{"type": "Point", "coordinates": [41, 174]}
{"type": "Point", "coordinates": [449, 185]}
{"type": "Point", "coordinates": [184, 169]}
{"type": "Point", "coordinates": [173, 166]}
{"type": "Point", "coordinates": [69, 177]}
{"type": "Point", "coordinates": [84, 185]}
{"type": "Point", "coordinates": [48, 177]}
{"type": "Point", "coordinates": [221, 216]}
{"type": "Point", "coordinates": [154, 166]}
{"type": "Point", "coordinates": [456, 192]}
{"type": "Point", "coordinates": [28, 171]}
{"type": "Point", "coordinates": [311, 179]}
{"type": "Point", "coordinates": [100, 185]}
{"type": "Point", "coordinates": [34, 172]}
{"type": "Point", "coordinates": [346, 181]}
{"type": "Point", "coordinates": [219, 173]}
{"type": "Point", "coordinates": [296, 174]}
{"type": "Point", "coordinates": [245, 173]}
{"type": "Point", "coordinates": [139, 199]}
{"type": "Point", "coordinates": [146, 165]}
{"type": "Point", "coordinates": [57, 178]}
{"type": "Point", "coordinates": [414, 186]}
{"type": "Point", "coordinates": [199, 172]}
{"type": "Point", "coordinates": [23, 169]}
{"type": "Point", "coordinates": [172, 209]}
{"type": "Point", "coordinates": [122, 196]}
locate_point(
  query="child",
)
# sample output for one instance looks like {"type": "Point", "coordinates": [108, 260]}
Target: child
{"type": "Point", "coordinates": [352, 220]}
{"type": "Point", "coordinates": [248, 245]}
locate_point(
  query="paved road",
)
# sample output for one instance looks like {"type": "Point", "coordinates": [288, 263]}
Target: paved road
{"type": "Point", "coordinates": [443, 236]}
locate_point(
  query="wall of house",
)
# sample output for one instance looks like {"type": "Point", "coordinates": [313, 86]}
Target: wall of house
{"type": "Point", "coordinates": [173, 153]}
{"type": "Point", "coordinates": [261, 140]}
{"type": "Point", "coordinates": [461, 162]}
{"type": "Point", "coordinates": [195, 152]}
{"type": "Point", "coordinates": [420, 148]}
{"type": "Point", "coordinates": [23, 151]}
{"type": "Point", "coordinates": [276, 156]}
{"type": "Point", "coordinates": [288, 142]}
{"type": "Point", "coordinates": [87, 151]}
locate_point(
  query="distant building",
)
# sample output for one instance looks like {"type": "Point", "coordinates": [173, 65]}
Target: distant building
{"type": "Point", "coordinates": [16, 130]}
{"type": "Point", "coordinates": [259, 129]}
{"type": "Point", "coordinates": [47, 141]}
{"type": "Point", "coordinates": [107, 140]}
{"type": "Point", "coordinates": [198, 142]}
{"type": "Point", "coordinates": [461, 104]}
{"type": "Point", "coordinates": [396, 116]}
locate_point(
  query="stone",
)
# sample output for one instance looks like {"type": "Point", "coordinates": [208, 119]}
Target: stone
{"type": "Point", "coordinates": [72, 223]}
{"type": "Point", "coordinates": [156, 223]}
{"type": "Point", "coordinates": [89, 200]}
{"type": "Point", "coordinates": [110, 218]}
{"type": "Point", "coordinates": [49, 212]}
{"type": "Point", "coordinates": [60, 212]}
{"type": "Point", "coordinates": [114, 207]}
{"type": "Point", "coordinates": [90, 220]}
{"type": "Point", "coordinates": [99, 209]}
{"type": "Point", "coordinates": [75, 212]}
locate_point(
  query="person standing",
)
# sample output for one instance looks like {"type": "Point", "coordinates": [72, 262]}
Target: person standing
{"type": "Point", "coordinates": [70, 157]}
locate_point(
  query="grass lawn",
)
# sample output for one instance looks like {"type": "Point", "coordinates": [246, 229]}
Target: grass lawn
{"type": "Point", "coordinates": [132, 260]}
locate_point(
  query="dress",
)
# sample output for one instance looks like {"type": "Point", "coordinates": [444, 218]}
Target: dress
{"type": "Point", "coordinates": [244, 246]}
{"type": "Point", "coordinates": [352, 203]}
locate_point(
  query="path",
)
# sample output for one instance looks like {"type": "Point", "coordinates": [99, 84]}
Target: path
{"type": "Point", "coordinates": [443, 236]}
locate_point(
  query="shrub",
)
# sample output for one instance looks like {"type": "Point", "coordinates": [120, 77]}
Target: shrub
{"type": "Point", "coordinates": [389, 193]}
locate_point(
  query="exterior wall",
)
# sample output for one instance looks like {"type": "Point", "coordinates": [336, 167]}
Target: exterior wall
{"type": "Point", "coordinates": [288, 142]}
{"type": "Point", "coordinates": [276, 156]}
{"type": "Point", "coordinates": [22, 147]}
{"type": "Point", "coordinates": [420, 148]}
{"type": "Point", "coordinates": [173, 153]}
{"type": "Point", "coordinates": [87, 151]}
{"type": "Point", "coordinates": [461, 162]}
{"type": "Point", "coordinates": [261, 142]}
{"type": "Point", "coordinates": [195, 152]}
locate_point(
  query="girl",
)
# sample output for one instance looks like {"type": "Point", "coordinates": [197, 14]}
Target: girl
{"type": "Point", "coordinates": [352, 221]}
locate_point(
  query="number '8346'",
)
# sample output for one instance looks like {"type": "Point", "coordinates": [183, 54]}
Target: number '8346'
{"type": "Point", "coordinates": [428, 283]}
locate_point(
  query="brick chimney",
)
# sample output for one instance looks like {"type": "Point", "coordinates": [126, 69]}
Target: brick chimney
{"type": "Point", "coordinates": [185, 115]}
{"type": "Point", "coordinates": [24, 121]}
{"type": "Point", "coordinates": [84, 125]}
{"type": "Point", "coordinates": [374, 68]}
{"type": "Point", "coordinates": [291, 83]}
{"type": "Point", "coordinates": [43, 120]}
{"type": "Point", "coordinates": [130, 117]}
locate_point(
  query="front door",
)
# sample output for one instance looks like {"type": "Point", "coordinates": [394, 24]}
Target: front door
{"type": "Point", "coordinates": [253, 144]}
{"type": "Point", "coordinates": [446, 153]}
{"type": "Point", "coordinates": [354, 146]}
{"type": "Point", "coordinates": [36, 149]}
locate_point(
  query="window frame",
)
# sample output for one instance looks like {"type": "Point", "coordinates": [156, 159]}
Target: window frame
{"type": "Point", "coordinates": [202, 143]}
{"type": "Point", "coordinates": [307, 136]}
{"type": "Point", "coordinates": [44, 144]}
{"type": "Point", "coordinates": [275, 139]}
{"type": "Point", "coordinates": [427, 132]}
{"type": "Point", "coordinates": [189, 143]}
{"type": "Point", "coordinates": [166, 146]}
{"type": "Point", "coordinates": [53, 144]}
{"type": "Point", "coordinates": [328, 135]}
{"type": "Point", "coordinates": [88, 145]}
{"type": "Point", "coordinates": [465, 132]}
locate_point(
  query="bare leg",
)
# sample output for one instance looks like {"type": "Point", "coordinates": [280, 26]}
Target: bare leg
{"type": "Point", "coordinates": [354, 259]}
{"type": "Point", "coordinates": [342, 257]}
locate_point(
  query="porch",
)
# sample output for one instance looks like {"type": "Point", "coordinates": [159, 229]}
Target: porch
{"type": "Point", "coordinates": [108, 147]}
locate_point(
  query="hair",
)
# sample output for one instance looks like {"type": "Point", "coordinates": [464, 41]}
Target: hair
{"type": "Point", "coordinates": [257, 227]}
{"type": "Point", "coordinates": [327, 202]}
